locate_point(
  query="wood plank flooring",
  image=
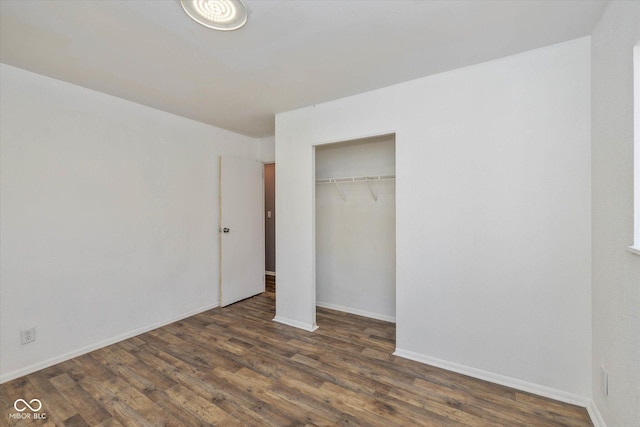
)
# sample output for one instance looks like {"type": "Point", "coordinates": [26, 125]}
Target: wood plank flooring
{"type": "Point", "coordinates": [234, 366]}
{"type": "Point", "coordinates": [270, 283]}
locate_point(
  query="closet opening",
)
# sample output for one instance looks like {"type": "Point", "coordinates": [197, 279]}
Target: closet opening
{"type": "Point", "coordinates": [355, 227]}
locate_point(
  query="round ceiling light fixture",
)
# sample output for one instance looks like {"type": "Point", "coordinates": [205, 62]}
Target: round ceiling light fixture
{"type": "Point", "coordinates": [224, 15]}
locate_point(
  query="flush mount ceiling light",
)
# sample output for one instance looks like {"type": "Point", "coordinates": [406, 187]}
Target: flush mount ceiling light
{"type": "Point", "coordinates": [224, 15]}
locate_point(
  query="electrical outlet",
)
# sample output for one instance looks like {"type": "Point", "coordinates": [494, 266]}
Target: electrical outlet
{"type": "Point", "coordinates": [604, 381]}
{"type": "Point", "coordinates": [28, 335]}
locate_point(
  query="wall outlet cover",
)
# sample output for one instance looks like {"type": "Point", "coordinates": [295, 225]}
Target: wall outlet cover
{"type": "Point", "coordinates": [28, 335]}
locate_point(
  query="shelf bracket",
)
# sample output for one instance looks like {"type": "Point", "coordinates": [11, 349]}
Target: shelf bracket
{"type": "Point", "coordinates": [339, 189]}
{"type": "Point", "coordinates": [373, 194]}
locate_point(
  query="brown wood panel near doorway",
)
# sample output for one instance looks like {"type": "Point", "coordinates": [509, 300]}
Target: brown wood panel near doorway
{"type": "Point", "coordinates": [235, 366]}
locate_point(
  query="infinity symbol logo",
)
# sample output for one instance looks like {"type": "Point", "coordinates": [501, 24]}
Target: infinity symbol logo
{"type": "Point", "coordinates": [27, 405]}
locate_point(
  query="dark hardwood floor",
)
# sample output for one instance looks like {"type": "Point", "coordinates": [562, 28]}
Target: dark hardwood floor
{"type": "Point", "coordinates": [234, 366]}
{"type": "Point", "coordinates": [270, 283]}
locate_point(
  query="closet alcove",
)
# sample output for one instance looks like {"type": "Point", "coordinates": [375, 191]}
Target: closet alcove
{"type": "Point", "coordinates": [355, 227]}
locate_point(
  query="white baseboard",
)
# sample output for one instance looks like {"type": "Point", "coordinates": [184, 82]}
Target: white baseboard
{"type": "Point", "coordinates": [104, 343]}
{"type": "Point", "coordinates": [300, 325]}
{"type": "Point", "coordinates": [357, 311]}
{"type": "Point", "coordinates": [537, 389]}
{"type": "Point", "coordinates": [595, 415]}
{"type": "Point", "coordinates": [270, 273]}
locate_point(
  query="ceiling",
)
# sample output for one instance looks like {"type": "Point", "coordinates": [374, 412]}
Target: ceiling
{"type": "Point", "coordinates": [290, 54]}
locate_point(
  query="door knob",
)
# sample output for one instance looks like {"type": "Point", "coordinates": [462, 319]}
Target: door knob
{"type": "Point", "coordinates": [225, 230]}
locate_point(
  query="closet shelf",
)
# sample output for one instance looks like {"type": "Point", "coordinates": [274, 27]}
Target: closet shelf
{"type": "Point", "coordinates": [354, 179]}
{"type": "Point", "coordinates": [367, 179]}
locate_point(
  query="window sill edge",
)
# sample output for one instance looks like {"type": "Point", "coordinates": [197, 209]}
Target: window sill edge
{"type": "Point", "coordinates": [634, 249]}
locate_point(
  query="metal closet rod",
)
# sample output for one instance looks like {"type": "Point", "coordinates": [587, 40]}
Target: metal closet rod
{"type": "Point", "coordinates": [354, 179]}
{"type": "Point", "coordinates": [367, 179]}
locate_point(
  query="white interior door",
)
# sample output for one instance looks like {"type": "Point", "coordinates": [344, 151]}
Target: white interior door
{"type": "Point", "coordinates": [241, 229]}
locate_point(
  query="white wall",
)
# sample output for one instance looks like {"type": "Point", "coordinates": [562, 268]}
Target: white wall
{"type": "Point", "coordinates": [267, 149]}
{"type": "Point", "coordinates": [355, 239]}
{"type": "Point", "coordinates": [109, 214]}
{"type": "Point", "coordinates": [616, 272]}
{"type": "Point", "coordinates": [636, 150]}
{"type": "Point", "coordinates": [493, 215]}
